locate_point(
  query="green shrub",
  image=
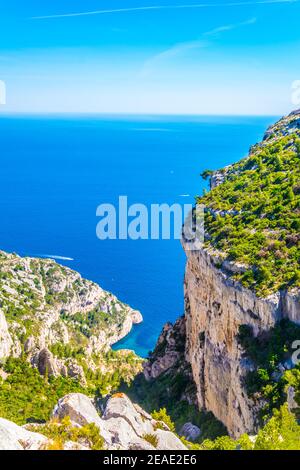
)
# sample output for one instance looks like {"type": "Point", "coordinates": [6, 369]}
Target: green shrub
{"type": "Point", "coordinates": [267, 351]}
{"type": "Point", "coordinates": [152, 439]}
{"type": "Point", "coordinates": [26, 396]}
{"type": "Point", "coordinates": [262, 202]}
{"type": "Point", "coordinates": [281, 432]}
{"type": "Point", "coordinates": [62, 431]}
{"type": "Point", "coordinates": [162, 415]}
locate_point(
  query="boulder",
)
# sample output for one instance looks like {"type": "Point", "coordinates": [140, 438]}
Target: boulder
{"type": "Point", "coordinates": [45, 362]}
{"type": "Point", "coordinates": [123, 435]}
{"type": "Point", "coordinates": [81, 411]}
{"type": "Point", "coordinates": [29, 344]}
{"type": "Point", "coordinates": [119, 406]}
{"type": "Point", "coordinates": [70, 445]}
{"type": "Point", "coordinates": [8, 440]}
{"type": "Point", "coordinates": [75, 371]}
{"type": "Point", "coordinates": [168, 441]}
{"type": "Point", "coordinates": [292, 404]}
{"type": "Point", "coordinates": [190, 431]}
{"type": "Point", "coordinates": [78, 407]}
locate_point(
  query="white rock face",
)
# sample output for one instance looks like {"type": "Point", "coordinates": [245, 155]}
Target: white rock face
{"type": "Point", "coordinates": [291, 305]}
{"type": "Point", "coordinates": [8, 440]}
{"type": "Point", "coordinates": [168, 441]}
{"type": "Point", "coordinates": [5, 338]}
{"type": "Point", "coordinates": [78, 407]}
{"type": "Point", "coordinates": [124, 436]}
{"type": "Point", "coordinates": [81, 410]}
{"type": "Point", "coordinates": [14, 437]}
{"type": "Point", "coordinates": [122, 407]}
{"type": "Point", "coordinates": [215, 307]}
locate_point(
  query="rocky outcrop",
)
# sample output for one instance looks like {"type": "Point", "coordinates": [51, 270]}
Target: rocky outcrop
{"type": "Point", "coordinates": [123, 425]}
{"type": "Point", "coordinates": [78, 407]}
{"type": "Point", "coordinates": [81, 411]}
{"type": "Point", "coordinates": [45, 363]}
{"type": "Point", "coordinates": [5, 338]}
{"type": "Point", "coordinates": [168, 360]}
{"type": "Point", "coordinates": [168, 350]}
{"type": "Point", "coordinates": [218, 177]}
{"type": "Point", "coordinates": [284, 127]}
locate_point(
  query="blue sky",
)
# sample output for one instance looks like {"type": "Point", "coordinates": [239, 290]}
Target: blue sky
{"type": "Point", "coordinates": [150, 56]}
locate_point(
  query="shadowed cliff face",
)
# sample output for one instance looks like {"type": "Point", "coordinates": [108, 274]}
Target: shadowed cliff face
{"type": "Point", "coordinates": [218, 301]}
{"type": "Point", "coordinates": [216, 307]}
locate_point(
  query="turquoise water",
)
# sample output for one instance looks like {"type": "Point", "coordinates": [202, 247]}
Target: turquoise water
{"type": "Point", "coordinates": [55, 171]}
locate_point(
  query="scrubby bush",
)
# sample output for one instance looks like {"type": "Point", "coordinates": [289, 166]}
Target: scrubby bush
{"type": "Point", "coordinates": [281, 432]}
{"type": "Point", "coordinates": [163, 416]}
{"type": "Point", "coordinates": [255, 213]}
{"type": "Point", "coordinates": [152, 439]}
{"type": "Point", "coordinates": [62, 431]}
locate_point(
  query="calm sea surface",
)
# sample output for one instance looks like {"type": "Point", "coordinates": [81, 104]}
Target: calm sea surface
{"type": "Point", "coordinates": [55, 171]}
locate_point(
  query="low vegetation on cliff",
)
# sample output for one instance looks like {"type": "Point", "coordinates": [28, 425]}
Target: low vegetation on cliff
{"type": "Point", "coordinates": [253, 216]}
{"type": "Point", "coordinates": [282, 432]}
{"type": "Point", "coordinates": [26, 395]}
{"type": "Point", "coordinates": [274, 377]}
{"type": "Point", "coordinates": [60, 432]}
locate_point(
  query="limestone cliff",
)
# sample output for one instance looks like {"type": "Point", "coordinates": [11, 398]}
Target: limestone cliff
{"type": "Point", "coordinates": [215, 307]}
{"type": "Point", "coordinates": [217, 302]}
{"type": "Point", "coordinates": [246, 273]}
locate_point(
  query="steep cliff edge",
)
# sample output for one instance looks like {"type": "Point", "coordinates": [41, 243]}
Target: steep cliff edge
{"type": "Point", "coordinates": [247, 272]}
{"type": "Point", "coordinates": [215, 308]}
{"type": "Point", "coordinates": [246, 277]}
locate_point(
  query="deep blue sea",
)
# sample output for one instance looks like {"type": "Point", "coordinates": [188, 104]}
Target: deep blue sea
{"type": "Point", "coordinates": [55, 171]}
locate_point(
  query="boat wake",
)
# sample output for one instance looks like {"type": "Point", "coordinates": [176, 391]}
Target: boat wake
{"type": "Point", "coordinates": [56, 257]}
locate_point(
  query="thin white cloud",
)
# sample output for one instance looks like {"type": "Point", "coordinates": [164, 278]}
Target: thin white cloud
{"type": "Point", "coordinates": [183, 47]}
{"type": "Point", "coordinates": [178, 49]}
{"type": "Point", "coordinates": [165, 7]}
{"type": "Point", "coordinates": [230, 27]}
